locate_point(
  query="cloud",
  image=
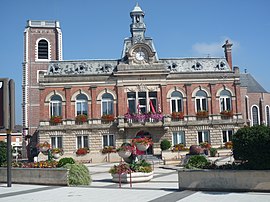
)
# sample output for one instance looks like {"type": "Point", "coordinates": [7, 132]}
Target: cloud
{"type": "Point", "coordinates": [213, 49]}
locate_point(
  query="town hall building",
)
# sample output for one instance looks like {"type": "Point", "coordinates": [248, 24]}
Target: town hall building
{"type": "Point", "coordinates": [96, 103]}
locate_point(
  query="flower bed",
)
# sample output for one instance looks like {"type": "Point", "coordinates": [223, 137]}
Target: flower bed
{"type": "Point", "coordinates": [56, 120]}
{"type": "Point", "coordinates": [140, 171]}
{"type": "Point", "coordinates": [81, 118]}
{"type": "Point", "coordinates": [202, 114]}
{"type": "Point", "coordinates": [151, 117]}
{"type": "Point", "coordinates": [82, 151]}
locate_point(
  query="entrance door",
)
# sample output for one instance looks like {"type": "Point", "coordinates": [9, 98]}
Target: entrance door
{"type": "Point", "coordinates": [148, 135]}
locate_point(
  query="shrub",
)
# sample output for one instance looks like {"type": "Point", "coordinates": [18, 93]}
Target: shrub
{"type": "Point", "coordinates": [251, 146]}
{"type": "Point", "coordinates": [3, 152]}
{"type": "Point", "coordinates": [78, 174]}
{"type": "Point", "coordinates": [197, 161]}
{"type": "Point", "coordinates": [213, 152]}
{"type": "Point", "coordinates": [165, 144]}
{"type": "Point", "coordinates": [66, 160]}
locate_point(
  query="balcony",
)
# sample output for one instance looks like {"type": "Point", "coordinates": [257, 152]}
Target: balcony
{"type": "Point", "coordinates": [154, 121]}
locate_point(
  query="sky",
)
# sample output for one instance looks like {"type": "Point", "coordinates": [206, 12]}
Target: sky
{"type": "Point", "coordinates": [95, 29]}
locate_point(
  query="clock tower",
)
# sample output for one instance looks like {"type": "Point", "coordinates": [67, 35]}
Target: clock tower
{"type": "Point", "coordinates": [137, 27]}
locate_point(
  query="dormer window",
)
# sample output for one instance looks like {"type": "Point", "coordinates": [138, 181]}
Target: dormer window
{"type": "Point", "coordinates": [43, 49]}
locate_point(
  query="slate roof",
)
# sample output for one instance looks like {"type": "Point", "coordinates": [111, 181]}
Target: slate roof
{"type": "Point", "coordinates": [246, 80]}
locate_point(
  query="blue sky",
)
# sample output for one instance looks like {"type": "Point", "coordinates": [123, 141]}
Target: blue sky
{"type": "Point", "coordinates": [95, 29]}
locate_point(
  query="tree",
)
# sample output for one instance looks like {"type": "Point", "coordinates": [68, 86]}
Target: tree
{"type": "Point", "coordinates": [251, 146]}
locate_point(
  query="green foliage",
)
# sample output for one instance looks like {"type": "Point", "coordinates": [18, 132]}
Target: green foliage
{"type": "Point", "coordinates": [213, 152]}
{"type": "Point", "coordinates": [197, 161]}
{"type": "Point", "coordinates": [78, 174]}
{"type": "Point", "coordinates": [3, 152]}
{"type": "Point", "coordinates": [251, 146]}
{"type": "Point", "coordinates": [66, 160]}
{"type": "Point", "coordinates": [165, 144]}
{"type": "Point", "coordinates": [139, 166]}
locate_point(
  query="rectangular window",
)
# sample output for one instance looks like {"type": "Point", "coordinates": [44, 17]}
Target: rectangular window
{"type": "Point", "coordinates": [204, 105]}
{"type": "Point", "coordinates": [81, 107]}
{"type": "Point", "coordinates": [82, 141]}
{"type": "Point", "coordinates": [153, 101]}
{"type": "Point", "coordinates": [56, 142]}
{"type": "Point", "coordinates": [56, 109]}
{"type": "Point", "coordinates": [227, 135]}
{"type": "Point", "coordinates": [108, 140]}
{"type": "Point", "coordinates": [142, 102]}
{"type": "Point", "coordinates": [198, 104]}
{"type": "Point", "coordinates": [179, 138]}
{"type": "Point", "coordinates": [203, 136]}
{"type": "Point", "coordinates": [131, 102]}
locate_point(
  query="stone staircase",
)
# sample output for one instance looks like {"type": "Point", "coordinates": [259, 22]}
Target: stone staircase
{"type": "Point", "coordinates": [152, 159]}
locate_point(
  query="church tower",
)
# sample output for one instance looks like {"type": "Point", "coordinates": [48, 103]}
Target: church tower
{"type": "Point", "coordinates": [42, 43]}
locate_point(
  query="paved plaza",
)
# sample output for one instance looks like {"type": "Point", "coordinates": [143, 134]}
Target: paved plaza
{"type": "Point", "coordinates": [163, 187]}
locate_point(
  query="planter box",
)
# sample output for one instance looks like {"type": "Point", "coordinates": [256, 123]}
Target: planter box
{"type": "Point", "coordinates": [135, 177]}
{"type": "Point", "coordinates": [169, 155]}
{"type": "Point", "coordinates": [44, 176]}
{"type": "Point", "coordinates": [224, 180]}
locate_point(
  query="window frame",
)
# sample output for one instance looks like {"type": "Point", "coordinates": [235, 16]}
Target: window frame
{"type": "Point", "coordinates": [257, 117]}
{"type": "Point", "coordinates": [82, 103]}
{"type": "Point", "coordinates": [225, 101]}
{"type": "Point", "coordinates": [57, 143]}
{"type": "Point", "coordinates": [56, 104]}
{"type": "Point", "coordinates": [108, 140]}
{"type": "Point", "coordinates": [203, 132]}
{"type": "Point", "coordinates": [178, 101]}
{"type": "Point", "coordinates": [180, 138]}
{"type": "Point", "coordinates": [109, 103]}
{"type": "Point", "coordinates": [142, 101]}
{"type": "Point", "coordinates": [82, 141]}
{"type": "Point", "coordinates": [267, 115]}
{"type": "Point", "coordinates": [200, 106]}
{"type": "Point", "coordinates": [227, 134]}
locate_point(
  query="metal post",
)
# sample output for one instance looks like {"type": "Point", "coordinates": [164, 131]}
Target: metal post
{"type": "Point", "coordinates": [8, 158]}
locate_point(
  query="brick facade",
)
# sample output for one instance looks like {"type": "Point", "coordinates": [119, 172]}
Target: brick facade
{"type": "Point", "coordinates": [129, 74]}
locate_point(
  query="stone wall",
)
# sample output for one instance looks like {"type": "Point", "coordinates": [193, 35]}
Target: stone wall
{"type": "Point", "coordinates": [225, 180]}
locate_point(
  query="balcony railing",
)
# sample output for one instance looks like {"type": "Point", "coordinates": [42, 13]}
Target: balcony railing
{"type": "Point", "coordinates": [167, 120]}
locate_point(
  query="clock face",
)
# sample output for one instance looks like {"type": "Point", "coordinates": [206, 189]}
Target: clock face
{"type": "Point", "coordinates": [140, 55]}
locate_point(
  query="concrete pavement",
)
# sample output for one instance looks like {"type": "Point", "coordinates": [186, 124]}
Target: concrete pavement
{"type": "Point", "coordinates": [163, 187]}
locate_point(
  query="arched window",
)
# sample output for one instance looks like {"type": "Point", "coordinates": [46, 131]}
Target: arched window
{"type": "Point", "coordinates": [56, 105]}
{"type": "Point", "coordinates": [225, 101]}
{"type": "Point", "coordinates": [81, 105]}
{"type": "Point", "coordinates": [255, 115]}
{"type": "Point", "coordinates": [107, 104]}
{"type": "Point", "coordinates": [267, 114]}
{"type": "Point", "coordinates": [176, 102]}
{"type": "Point", "coordinates": [43, 49]}
{"type": "Point", "coordinates": [201, 101]}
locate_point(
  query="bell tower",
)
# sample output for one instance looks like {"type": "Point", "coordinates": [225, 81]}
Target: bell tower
{"type": "Point", "coordinates": [42, 43]}
{"type": "Point", "coordinates": [137, 27]}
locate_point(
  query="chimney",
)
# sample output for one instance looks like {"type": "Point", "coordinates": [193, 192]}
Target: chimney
{"type": "Point", "coordinates": [228, 52]}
